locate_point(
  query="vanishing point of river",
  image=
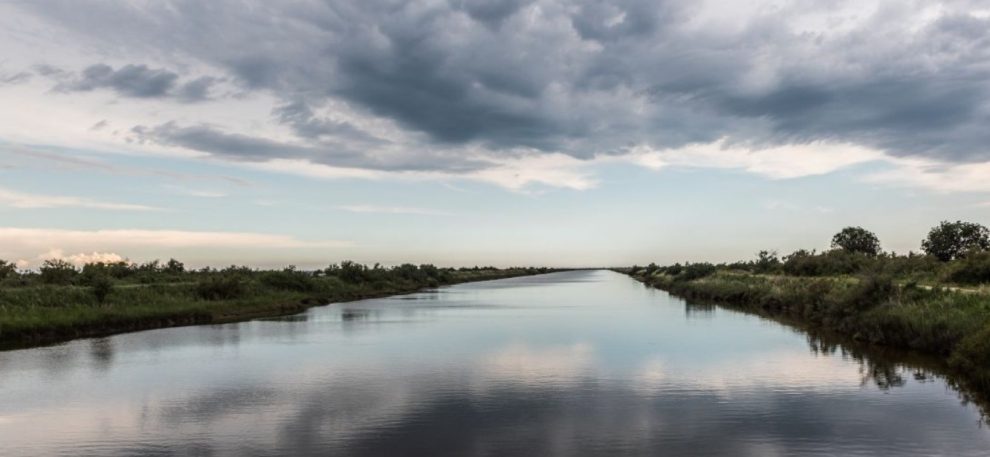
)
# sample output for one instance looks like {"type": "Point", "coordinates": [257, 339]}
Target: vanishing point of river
{"type": "Point", "coordinates": [563, 364]}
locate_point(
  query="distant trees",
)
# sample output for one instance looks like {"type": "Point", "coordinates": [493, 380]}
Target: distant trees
{"type": "Point", "coordinates": [954, 240]}
{"type": "Point", "coordinates": [7, 269]}
{"type": "Point", "coordinates": [175, 267]}
{"type": "Point", "coordinates": [58, 271]}
{"type": "Point", "coordinates": [857, 239]}
{"type": "Point", "coordinates": [766, 262]}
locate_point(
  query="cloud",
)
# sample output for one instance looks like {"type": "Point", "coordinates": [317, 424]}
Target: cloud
{"type": "Point", "coordinates": [525, 365]}
{"type": "Point", "coordinates": [138, 81]}
{"type": "Point", "coordinates": [82, 258]}
{"type": "Point", "coordinates": [780, 162]}
{"type": "Point", "coordinates": [130, 80]}
{"type": "Point", "coordinates": [32, 201]}
{"type": "Point", "coordinates": [197, 90]}
{"type": "Point", "coordinates": [44, 159]}
{"type": "Point", "coordinates": [15, 78]}
{"type": "Point", "coordinates": [473, 88]}
{"type": "Point", "coordinates": [938, 176]}
{"type": "Point", "coordinates": [392, 210]}
{"type": "Point", "coordinates": [26, 243]}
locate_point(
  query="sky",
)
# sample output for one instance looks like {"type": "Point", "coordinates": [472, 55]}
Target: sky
{"type": "Point", "coordinates": [468, 132]}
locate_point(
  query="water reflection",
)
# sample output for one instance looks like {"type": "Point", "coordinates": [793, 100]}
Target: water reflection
{"type": "Point", "coordinates": [578, 363]}
{"type": "Point", "coordinates": [694, 310]}
{"type": "Point", "coordinates": [101, 353]}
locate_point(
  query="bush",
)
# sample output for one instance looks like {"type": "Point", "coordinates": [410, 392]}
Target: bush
{"type": "Point", "coordinates": [289, 279]}
{"type": "Point", "coordinates": [766, 262]}
{"type": "Point", "coordinates": [101, 287]}
{"type": "Point", "coordinates": [974, 269]}
{"type": "Point", "coordinates": [870, 291]}
{"type": "Point", "coordinates": [972, 355]}
{"type": "Point", "coordinates": [911, 265]}
{"type": "Point", "coordinates": [7, 269]}
{"type": "Point", "coordinates": [221, 287]}
{"type": "Point", "coordinates": [835, 262]}
{"type": "Point", "coordinates": [58, 271]}
{"type": "Point", "coordinates": [694, 271]}
{"type": "Point", "coordinates": [348, 271]}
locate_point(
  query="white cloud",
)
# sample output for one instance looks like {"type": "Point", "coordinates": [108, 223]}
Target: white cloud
{"type": "Point", "coordinates": [517, 173]}
{"type": "Point", "coordinates": [81, 258]}
{"type": "Point", "coordinates": [935, 176]}
{"type": "Point", "coordinates": [25, 243]}
{"type": "Point", "coordinates": [554, 170]}
{"type": "Point", "coordinates": [25, 200]}
{"type": "Point", "coordinates": [392, 210]}
{"type": "Point", "coordinates": [778, 162]}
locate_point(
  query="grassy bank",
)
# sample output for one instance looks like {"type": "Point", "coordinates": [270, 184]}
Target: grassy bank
{"type": "Point", "coordinates": [944, 321]}
{"type": "Point", "coordinates": [62, 303]}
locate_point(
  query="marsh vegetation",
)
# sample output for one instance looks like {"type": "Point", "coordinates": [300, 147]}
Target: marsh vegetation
{"type": "Point", "coordinates": [61, 301]}
{"type": "Point", "coordinates": [936, 302]}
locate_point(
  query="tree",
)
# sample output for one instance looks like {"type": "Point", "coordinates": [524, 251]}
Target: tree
{"type": "Point", "coordinates": [857, 239]}
{"type": "Point", "coordinates": [954, 240]}
{"type": "Point", "coordinates": [58, 271]}
{"type": "Point", "coordinates": [101, 287]}
{"type": "Point", "coordinates": [766, 262]}
{"type": "Point", "coordinates": [175, 267]}
{"type": "Point", "coordinates": [7, 269]}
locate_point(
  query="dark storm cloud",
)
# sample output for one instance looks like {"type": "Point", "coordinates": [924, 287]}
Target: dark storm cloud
{"type": "Point", "coordinates": [580, 77]}
{"type": "Point", "coordinates": [239, 147]}
{"type": "Point", "coordinates": [138, 81]}
{"type": "Point", "coordinates": [197, 90]}
{"type": "Point", "coordinates": [207, 139]}
{"type": "Point", "coordinates": [490, 12]}
{"type": "Point", "coordinates": [129, 80]}
{"type": "Point", "coordinates": [306, 124]}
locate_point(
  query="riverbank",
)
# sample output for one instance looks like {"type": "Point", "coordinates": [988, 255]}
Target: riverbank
{"type": "Point", "coordinates": [34, 312]}
{"type": "Point", "coordinates": [952, 325]}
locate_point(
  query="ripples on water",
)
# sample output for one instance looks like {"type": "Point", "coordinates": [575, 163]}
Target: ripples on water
{"type": "Point", "coordinates": [574, 363]}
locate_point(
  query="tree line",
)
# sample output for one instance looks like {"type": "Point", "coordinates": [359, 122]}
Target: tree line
{"type": "Point", "coordinates": [230, 282]}
{"type": "Point", "coordinates": [957, 252]}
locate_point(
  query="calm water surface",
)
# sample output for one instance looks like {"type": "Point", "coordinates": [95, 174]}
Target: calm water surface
{"type": "Point", "coordinates": [574, 363]}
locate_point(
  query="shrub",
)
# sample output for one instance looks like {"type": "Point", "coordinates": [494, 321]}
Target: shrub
{"type": "Point", "coordinates": [693, 271]}
{"type": "Point", "coordinates": [954, 240]}
{"type": "Point", "coordinates": [974, 269]}
{"type": "Point", "coordinates": [870, 291]}
{"type": "Point", "coordinates": [972, 355]}
{"type": "Point", "coordinates": [58, 271]}
{"type": "Point", "coordinates": [766, 262]}
{"type": "Point", "coordinates": [7, 269]}
{"type": "Point", "coordinates": [121, 269]}
{"type": "Point", "coordinates": [221, 287]}
{"type": "Point", "coordinates": [288, 279]}
{"type": "Point", "coordinates": [835, 262]}
{"type": "Point", "coordinates": [348, 271]}
{"type": "Point", "coordinates": [101, 287]}
{"type": "Point", "coordinates": [911, 265]}
{"type": "Point", "coordinates": [857, 239]}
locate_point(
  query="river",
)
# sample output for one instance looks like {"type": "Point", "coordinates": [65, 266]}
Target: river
{"type": "Point", "coordinates": [570, 363]}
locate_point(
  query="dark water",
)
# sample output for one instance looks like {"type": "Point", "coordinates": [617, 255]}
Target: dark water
{"type": "Point", "coordinates": [576, 363]}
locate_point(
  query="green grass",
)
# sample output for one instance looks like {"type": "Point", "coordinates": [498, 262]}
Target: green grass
{"type": "Point", "coordinates": [34, 313]}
